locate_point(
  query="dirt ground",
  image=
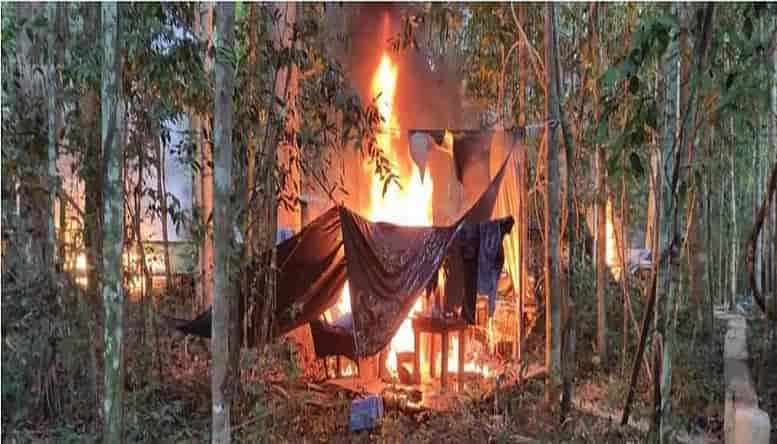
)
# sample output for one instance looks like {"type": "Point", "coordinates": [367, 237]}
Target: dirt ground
{"type": "Point", "coordinates": [278, 402]}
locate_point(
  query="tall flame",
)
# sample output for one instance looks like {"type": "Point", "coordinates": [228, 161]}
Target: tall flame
{"type": "Point", "coordinates": [410, 204]}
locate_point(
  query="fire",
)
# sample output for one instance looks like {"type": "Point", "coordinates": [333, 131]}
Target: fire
{"type": "Point", "coordinates": [611, 254]}
{"type": "Point", "coordinates": [470, 365]}
{"type": "Point", "coordinates": [410, 204]}
{"type": "Point", "coordinates": [344, 304]}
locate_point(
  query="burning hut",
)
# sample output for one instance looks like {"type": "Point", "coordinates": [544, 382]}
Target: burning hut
{"type": "Point", "coordinates": [425, 278]}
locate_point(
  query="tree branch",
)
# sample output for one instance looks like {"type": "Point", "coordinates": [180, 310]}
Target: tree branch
{"type": "Point", "coordinates": [536, 61]}
{"type": "Point", "coordinates": [752, 240]}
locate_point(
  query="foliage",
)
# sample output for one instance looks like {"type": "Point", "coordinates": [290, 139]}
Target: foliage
{"type": "Point", "coordinates": [45, 344]}
{"type": "Point", "coordinates": [612, 92]}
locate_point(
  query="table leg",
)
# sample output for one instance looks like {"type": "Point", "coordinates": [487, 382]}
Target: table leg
{"type": "Point", "coordinates": [462, 354]}
{"type": "Point", "coordinates": [432, 356]}
{"type": "Point", "coordinates": [416, 352]}
{"type": "Point", "coordinates": [444, 363]}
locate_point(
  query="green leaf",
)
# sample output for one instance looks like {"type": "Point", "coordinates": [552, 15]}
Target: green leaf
{"type": "Point", "coordinates": [747, 28]}
{"type": "Point", "coordinates": [634, 85]}
{"type": "Point", "coordinates": [636, 165]}
{"type": "Point", "coordinates": [613, 161]}
{"type": "Point", "coordinates": [667, 21]}
{"type": "Point", "coordinates": [610, 76]}
{"type": "Point", "coordinates": [603, 131]}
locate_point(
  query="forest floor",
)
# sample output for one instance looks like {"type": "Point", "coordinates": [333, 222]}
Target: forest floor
{"type": "Point", "coordinates": [763, 363]}
{"type": "Point", "coordinates": [169, 402]}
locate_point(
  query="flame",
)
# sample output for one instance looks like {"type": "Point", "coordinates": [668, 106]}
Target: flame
{"type": "Point", "coordinates": [81, 262]}
{"type": "Point", "coordinates": [470, 365]}
{"type": "Point", "coordinates": [410, 204]}
{"type": "Point", "coordinates": [349, 369]}
{"type": "Point", "coordinates": [344, 304]}
{"type": "Point", "coordinates": [611, 254]}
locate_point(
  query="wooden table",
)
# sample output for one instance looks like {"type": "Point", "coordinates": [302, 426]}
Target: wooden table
{"type": "Point", "coordinates": [443, 327]}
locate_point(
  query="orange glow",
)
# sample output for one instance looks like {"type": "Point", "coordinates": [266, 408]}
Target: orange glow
{"type": "Point", "coordinates": [611, 254]}
{"type": "Point", "coordinates": [81, 262]}
{"type": "Point", "coordinates": [410, 204]}
{"type": "Point", "coordinates": [344, 304]}
{"type": "Point", "coordinates": [407, 204]}
{"type": "Point", "coordinates": [470, 366]}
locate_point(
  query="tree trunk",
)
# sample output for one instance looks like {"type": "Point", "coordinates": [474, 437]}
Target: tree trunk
{"type": "Point", "coordinates": [522, 195]}
{"type": "Point", "coordinates": [757, 198]}
{"type": "Point", "coordinates": [601, 263]}
{"type": "Point", "coordinates": [10, 152]}
{"type": "Point", "coordinates": [697, 255]}
{"type": "Point", "coordinates": [667, 221]}
{"type": "Point", "coordinates": [224, 375]}
{"type": "Point", "coordinates": [552, 209]}
{"type": "Point", "coordinates": [53, 132]}
{"type": "Point", "coordinates": [652, 214]}
{"type": "Point", "coordinates": [273, 158]}
{"type": "Point", "coordinates": [773, 155]}
{"type": "Point", "coordinates": [195, 133]}
{"type": "Point", "coordinates": [33, 201]}
{"type": "Point", "coordinates": [162, 190]}
{"type": "Point", "coordinates": [722, 219]}
{"type": "Point", "coordinates": [624, 251]}
{"type": "Point", "coordinates": [113, 217]}
{"type": "Point", "coordinates": [733, 252]}
{"type": "Point", "coordinates": [600, 216]}
{"type": "Point", "coordinates": [288, 164]}
{"type": "Point", "coordinates": [93, 173]}
{"type": "Point", "coordinates": [569, 336]}
{"type": "Point", "coordinates": [205, 150]}
{"type": "Point", "coordinates": [669, 272]}
{"type": "Point", "coordinates": [253, 87]}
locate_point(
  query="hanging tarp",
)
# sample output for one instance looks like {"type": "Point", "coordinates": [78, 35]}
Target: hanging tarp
{"type": "Point", "coordinates": [388, 266]}
{"type": "Point", "coordinates": [505, 143]}
{"type": "Point", "coordinates": [311, 272]}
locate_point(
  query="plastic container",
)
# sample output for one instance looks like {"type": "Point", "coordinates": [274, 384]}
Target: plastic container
{"type": "Point", "coordinates": [365, 413]}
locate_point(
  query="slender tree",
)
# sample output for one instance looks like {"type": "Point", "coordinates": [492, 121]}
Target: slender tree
{"type": "Point", "coordinates": [223, 376]}
{"type": "Point", "coordinates": [204, 138]}
{"type": "Point", "coordinates": [600, 211]}
{"type": "Point", "coordinates": [671, 204]}
{"type": "Point", "coordinates": [113, 216]}
{"type": "Point", "coordinates": [522, 160]}
{"type": "Point", "coordinates": [92, 170]}
{"type": "Point", "coordinates": [552, 217]}
{"type": "Point", "coordinates": [51, 157]}
{"type": "Point", "coordinates": [273, 159]}
{"type": "Point", "coordinates": [666, 291]}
